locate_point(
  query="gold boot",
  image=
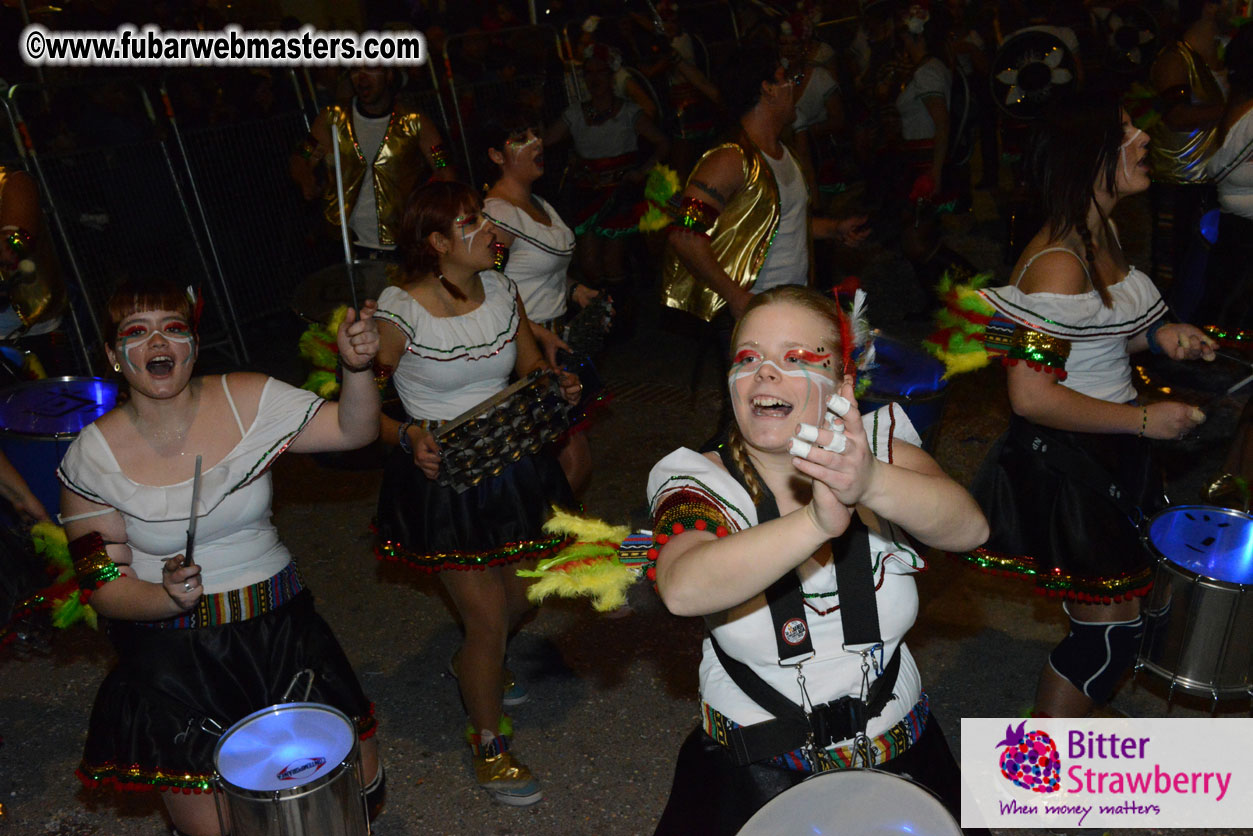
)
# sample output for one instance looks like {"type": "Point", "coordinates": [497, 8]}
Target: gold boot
{"type": "Point", "coordinates": [500, 773]}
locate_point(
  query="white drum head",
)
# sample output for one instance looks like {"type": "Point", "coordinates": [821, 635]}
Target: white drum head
{"type": "Point", "coordinates": [862, 801]}
{"type": "Point", "coordinates": [284, 746]}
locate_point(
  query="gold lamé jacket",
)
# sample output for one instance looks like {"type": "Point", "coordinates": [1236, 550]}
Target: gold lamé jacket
{"type": "Point", "coordinates": [398, 167]}
{"type": "Point", "coordinates": [40, 296]}
{"type": "Point", "coordinates": [1180, 156]}
{"type": "Point", "coordinates": [740, 236]}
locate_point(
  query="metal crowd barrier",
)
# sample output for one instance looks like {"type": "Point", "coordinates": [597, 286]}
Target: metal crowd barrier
{"type": "Point", "coordinates": [15, 157]}
{"type": "Point", "coordinates": [470, 101]}
{"type": "Point", "coordinates": [120, 208]}
{"type": "Point", "coordinates": [257, 227]}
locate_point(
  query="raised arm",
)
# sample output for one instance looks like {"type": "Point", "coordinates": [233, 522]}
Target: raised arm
{"type": "Point", "coordinates": [353, 421]}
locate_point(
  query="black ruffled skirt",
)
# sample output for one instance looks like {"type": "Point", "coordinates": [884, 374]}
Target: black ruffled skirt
{"type": "Point", "coordinates": [498, 521]}
{"type": "Point", "coordinates": [145, 728]}
{"type": "Point", "coordinates": [1064, 508]}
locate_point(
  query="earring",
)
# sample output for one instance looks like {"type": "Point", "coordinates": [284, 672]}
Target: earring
{"type": "Point", "coordinates": [117, 367]}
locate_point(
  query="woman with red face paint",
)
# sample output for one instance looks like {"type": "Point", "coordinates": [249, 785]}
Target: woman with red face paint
{"type": "Point", "coordinates": [770, 538]}
{"type": "Point", "coordinates": [454, 332]}
{"type": "Point", "coordinates": [207, 642]}
{"type": "Point", "coordinates": [1067, 486]}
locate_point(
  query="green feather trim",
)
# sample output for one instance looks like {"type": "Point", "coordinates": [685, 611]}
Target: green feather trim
{"type": "Point", "coordinates": [323, 384]}
{"type": "Point", "coordinates": [587, 567]}
{"type": "Point", "coordinates": [662, 185]}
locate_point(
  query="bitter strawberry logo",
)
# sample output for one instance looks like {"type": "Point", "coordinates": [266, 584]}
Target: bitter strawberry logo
{"type": "Point", "coordinates": [1030, 759]}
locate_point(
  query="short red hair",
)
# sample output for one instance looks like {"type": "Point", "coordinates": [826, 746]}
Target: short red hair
{"type": "Point", "coordinates": [132, 296]}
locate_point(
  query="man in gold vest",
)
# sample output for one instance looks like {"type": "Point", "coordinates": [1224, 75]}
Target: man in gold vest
{"type": "Point", "coordinates": [743, 219]}
{"type": "Point", "coordinates": [385, 150]}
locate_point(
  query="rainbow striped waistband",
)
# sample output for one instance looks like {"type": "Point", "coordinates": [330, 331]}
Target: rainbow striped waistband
{"type": "Point", "coordinates": [885, 746]}
{"type": "Point", "coordinates": [238, 604]}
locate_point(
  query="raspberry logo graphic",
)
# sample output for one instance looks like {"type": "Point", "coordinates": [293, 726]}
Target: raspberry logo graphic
{"type": "Point", "coordinates": [1030, 759]}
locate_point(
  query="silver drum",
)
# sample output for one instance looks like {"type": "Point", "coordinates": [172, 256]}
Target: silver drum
{"type": "Point", "coordinates": [292, 769]}
{"type": "Point", "coordinates": [1198, 632]}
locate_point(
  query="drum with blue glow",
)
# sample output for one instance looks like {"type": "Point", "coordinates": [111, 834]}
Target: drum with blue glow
{"type": "Point", "coordinates": [292, 769]}
{"type": "Point", "coordinates": [907, 375]}
{"type": "Point", "coordinates": [39, 420]}
{"type": "Point", "coordinates": [863, 801]}
{"type": "Point", "coordinates": [1199, 614]}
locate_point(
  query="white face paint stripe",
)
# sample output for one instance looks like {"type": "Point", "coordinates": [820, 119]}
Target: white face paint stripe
{"type": "Point", "coordinates": [734, 376]}
{"type": "Point", "coordinates": [129, 344]}
{"type": "Point", "coordinates": [1122, 151]}
{"type": "Point", "coordinates": [468, 237]}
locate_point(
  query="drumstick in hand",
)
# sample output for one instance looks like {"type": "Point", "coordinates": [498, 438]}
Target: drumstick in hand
{"type": "Point", "coordinates": [191, 526]}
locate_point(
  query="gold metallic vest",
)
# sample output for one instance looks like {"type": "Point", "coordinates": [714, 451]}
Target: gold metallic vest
{"type": "Point", "coordinates": [37, 296]}
{"type": "Point", "coordinates": [398, 167]}
{"type": "Point", "coordinates": [740, 237]}
{"type": "Point", "coordinates": [1180, 156]}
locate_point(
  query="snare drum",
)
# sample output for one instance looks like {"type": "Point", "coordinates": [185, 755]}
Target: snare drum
{"type": "Point", "coordinates": [1198, 630]}
{"type": "Point", "coordinates": [39, 420]}
{"type": "Point", "coordinates": [909, 376]}
{"type": "Point", "coordinates": [292, 769]}
{"type": "Point", "coordinates": [854, 801]}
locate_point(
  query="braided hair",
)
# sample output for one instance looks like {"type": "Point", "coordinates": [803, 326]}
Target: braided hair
{"type": "Point", "coordinates": [808, 299]}
{"type": "Point", "coordinates": [1075, 149]}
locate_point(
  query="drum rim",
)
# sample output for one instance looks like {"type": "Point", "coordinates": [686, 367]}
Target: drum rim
{"type": "Point", "coordinates": [34, 384]}
{"type": "Point", "coordinates": [1146, 540]}
{"type": "Point", "coordinates": [299, 789]}
{"type": "Point", "coordinates": [855, 769]}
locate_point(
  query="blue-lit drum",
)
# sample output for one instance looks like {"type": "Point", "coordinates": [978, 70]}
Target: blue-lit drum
{"type": "Point", "coordinates": [1199, 614]}
{"type": "Point", "coordinates": [854, 801]}
{"type": "Point", "coordinates": [911, 377]}
{"type": "Point", "coordinates": [39, 420]}
{"type": "Point", "coordinates": [292, 769]}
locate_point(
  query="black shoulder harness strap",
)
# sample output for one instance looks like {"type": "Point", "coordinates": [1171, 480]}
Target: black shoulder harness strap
{"type": "Point", "coordinates": [834, 721]}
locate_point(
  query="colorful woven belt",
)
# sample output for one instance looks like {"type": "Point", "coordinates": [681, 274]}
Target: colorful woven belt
{"type": "Point", "coordinates": [238, 604]}
{"type": "Point", "coordinates": [886, 746]}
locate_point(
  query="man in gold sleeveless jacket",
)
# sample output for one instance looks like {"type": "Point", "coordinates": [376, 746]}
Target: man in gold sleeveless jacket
{"type": "Point", "coordinates": [385, 150]}
{"type": "Point", "coordinates": [733, 210]}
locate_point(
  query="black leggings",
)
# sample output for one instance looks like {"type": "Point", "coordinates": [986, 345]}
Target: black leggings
{"type": "Point", "coordinates": [712, 796]}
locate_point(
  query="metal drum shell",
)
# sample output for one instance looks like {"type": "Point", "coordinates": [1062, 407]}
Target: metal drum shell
{"type": "Point", "coordinates": [1198, 630]}
{"type": "Point", "coordinates": [333, 804]}
{"type": "Point", "coordinates": [35, 443]}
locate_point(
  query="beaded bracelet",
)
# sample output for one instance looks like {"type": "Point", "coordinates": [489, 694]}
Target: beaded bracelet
{"type": "Point", "coordinates": [403, 438]}
{"type": "Point", "coordinates": [1151, 336]}
{"type": "Point", "coordinates": [1144, 421]}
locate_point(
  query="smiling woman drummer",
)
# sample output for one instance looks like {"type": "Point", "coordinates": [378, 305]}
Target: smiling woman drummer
{"type": "Point", "coordinates": [205, 644]}
{"type": "Point", "coordinates": [771, 538]}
